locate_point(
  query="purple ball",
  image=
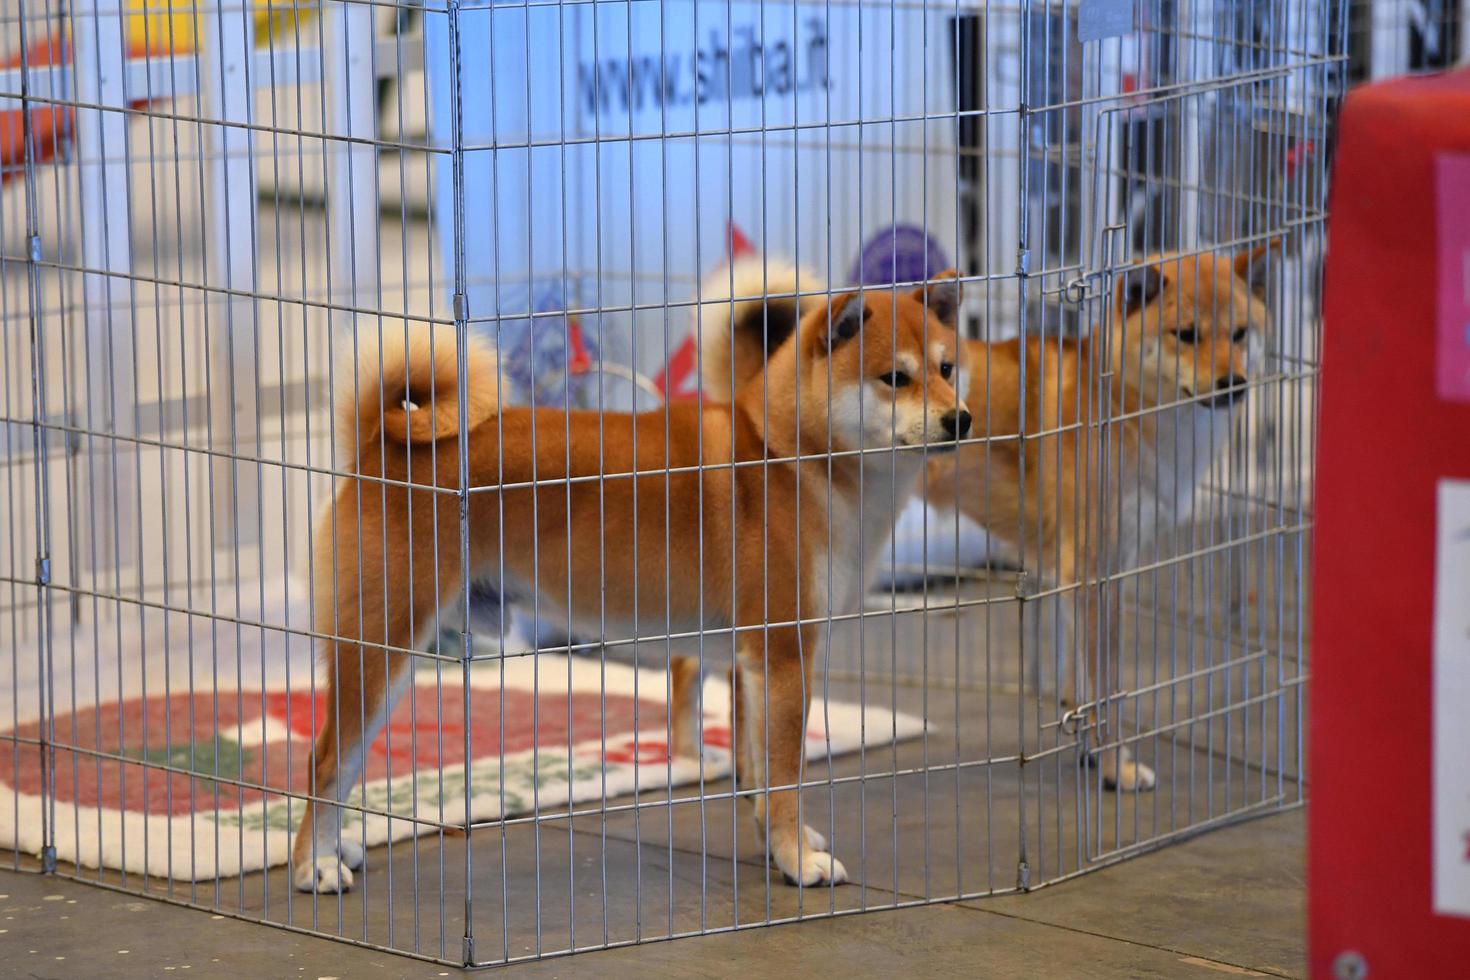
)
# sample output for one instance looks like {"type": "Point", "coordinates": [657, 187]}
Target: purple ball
{"type": "Point", "coordinates": [900, 253]}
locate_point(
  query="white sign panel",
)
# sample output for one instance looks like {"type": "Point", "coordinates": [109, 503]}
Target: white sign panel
{"type": "Point", "coordinates": [1452, 700]}
{"type": "Point", "coordinates": [610, 146]}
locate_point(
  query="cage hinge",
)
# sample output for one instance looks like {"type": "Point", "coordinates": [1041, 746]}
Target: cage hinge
{"type": "Point", "coordinates": [461, 306]}
{"type": "Point", "coordinates": [1023, 876]}
{"type": "Point", "coordinates": [34, 246]}
{"type": "Point", "coordinates": [48, 858]}
{"type": "Point", "coordinates": [468, 950]}
{"type": "Point", "coordinates": [43, 570]}
{"type": "Point", "coordinates": [1023, 262]}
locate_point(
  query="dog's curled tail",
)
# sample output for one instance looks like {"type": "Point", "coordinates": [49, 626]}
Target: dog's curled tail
{"type": "Point", "coordinates": [405, 388]}
{"type": "Point", "coordinates": [748, 310]}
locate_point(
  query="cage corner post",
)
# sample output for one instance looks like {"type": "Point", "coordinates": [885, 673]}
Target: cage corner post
{"type": "Point", "coordinates": [461, 313]}
{"type": "Point", "coordinates": [43, 543]}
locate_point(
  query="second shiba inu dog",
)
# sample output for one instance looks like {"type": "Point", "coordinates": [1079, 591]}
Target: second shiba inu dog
{"type": "Point", "coordinates": [1104, 465]}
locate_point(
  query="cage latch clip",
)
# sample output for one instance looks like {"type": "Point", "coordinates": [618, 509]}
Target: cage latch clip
{"type": "Point", "coordinates": [1083, 288]}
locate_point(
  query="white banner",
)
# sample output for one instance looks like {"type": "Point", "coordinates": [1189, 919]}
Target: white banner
{"type": "Point", "coordinates": [1451, 695]}
{"type": "Point", "coordinates": [609, 147]}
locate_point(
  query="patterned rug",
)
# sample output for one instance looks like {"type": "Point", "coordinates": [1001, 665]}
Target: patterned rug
{"type": "Point", "coordinates": [531, 734]}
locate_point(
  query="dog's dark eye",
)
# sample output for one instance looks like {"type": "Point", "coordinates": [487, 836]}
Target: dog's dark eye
{"type": "Point", "coordinates": [1186, 336]}
{"type": "Point", "coordinates": [894, 379]}
{"type": "Point", "coordinates": [1238, 335]}
{"type": "Point", "coordinates": [945, 369]}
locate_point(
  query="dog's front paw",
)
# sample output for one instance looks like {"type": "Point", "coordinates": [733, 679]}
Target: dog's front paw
{"type": "Point", "coordinates": [1121, 773]}
{"type": "Point", "coordinates": [817, 868]}
{"type": "Point", "coordinates": [1131, 777]}
{"type": "Point", "coordinates": [809, 864]}
{"type": "Point", "coordinates": [326, 875]}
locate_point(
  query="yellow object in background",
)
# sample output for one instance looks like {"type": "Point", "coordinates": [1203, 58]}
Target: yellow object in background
{"type": "Point", "coordinates": [164, 27]}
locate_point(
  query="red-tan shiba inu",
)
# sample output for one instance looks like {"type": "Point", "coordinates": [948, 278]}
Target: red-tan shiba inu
{"type": "Point", "coordinates": [674, 519]}
{"type": "Point", "coordinates": [1178, 361]}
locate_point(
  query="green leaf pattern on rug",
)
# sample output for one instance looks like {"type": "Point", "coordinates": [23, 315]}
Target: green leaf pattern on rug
{"type": "Point", "coordinates": [440, 796]}
{"type": "Point", "coordinates": [215, 756]}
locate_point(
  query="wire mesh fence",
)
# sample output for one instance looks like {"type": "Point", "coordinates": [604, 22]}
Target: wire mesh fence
{"type": "Point", "coordinates": [463, 461]}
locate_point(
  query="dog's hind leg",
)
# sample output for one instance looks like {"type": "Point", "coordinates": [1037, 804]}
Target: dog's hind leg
{"type": "Point", "coordinates": [361, 693]}
{"type": "Point", "coordinates": [372, 620]}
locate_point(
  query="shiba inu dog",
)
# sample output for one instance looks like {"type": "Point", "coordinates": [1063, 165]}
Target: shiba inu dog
{"type": "Point", "coordinates": [700, 516]}
{"type": "Point", "coordinates": [1104, 465]}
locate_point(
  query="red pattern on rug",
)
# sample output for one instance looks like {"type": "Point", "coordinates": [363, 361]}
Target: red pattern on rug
{"type": "Point", "coordinates": [207, 736]}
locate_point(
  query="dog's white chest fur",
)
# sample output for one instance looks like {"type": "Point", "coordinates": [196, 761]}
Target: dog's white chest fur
{"type": "Point", "coordinates": [860, 527]}
{"type": "Point", "coordinates": [1157, 486]}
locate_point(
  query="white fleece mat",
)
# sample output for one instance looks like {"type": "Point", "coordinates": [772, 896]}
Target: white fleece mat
{"type": "Point", "coordinates": [230, 711]}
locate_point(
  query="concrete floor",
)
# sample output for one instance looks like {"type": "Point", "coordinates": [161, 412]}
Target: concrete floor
{"type": "Point", "coordinates": [916, 819]}
{"type": "Point", "coordinates": [1228, 903]}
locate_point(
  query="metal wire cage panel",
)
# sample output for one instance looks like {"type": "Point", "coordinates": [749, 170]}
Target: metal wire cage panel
{"type": "Point", "coordinates": [321, 614]}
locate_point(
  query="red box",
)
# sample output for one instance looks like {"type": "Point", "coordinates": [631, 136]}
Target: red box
{"type": "Point", "coordinates": [1394, 426]}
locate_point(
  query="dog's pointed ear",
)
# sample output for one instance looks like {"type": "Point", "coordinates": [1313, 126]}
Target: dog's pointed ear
{"type": "Point", "coordinates": [1138, 288]}
{"type": "Point", "coordinates": [845, 321]}
{"type": "Point", "coordinates": [943, 295]}
{"type": "Point", "coordinates": [1251, 264]}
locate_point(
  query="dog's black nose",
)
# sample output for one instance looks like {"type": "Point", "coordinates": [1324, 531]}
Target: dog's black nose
{"type": "Point", "coordinates": [957, 424]}
{"type": "Point", "coordinates": [1227, 390]}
